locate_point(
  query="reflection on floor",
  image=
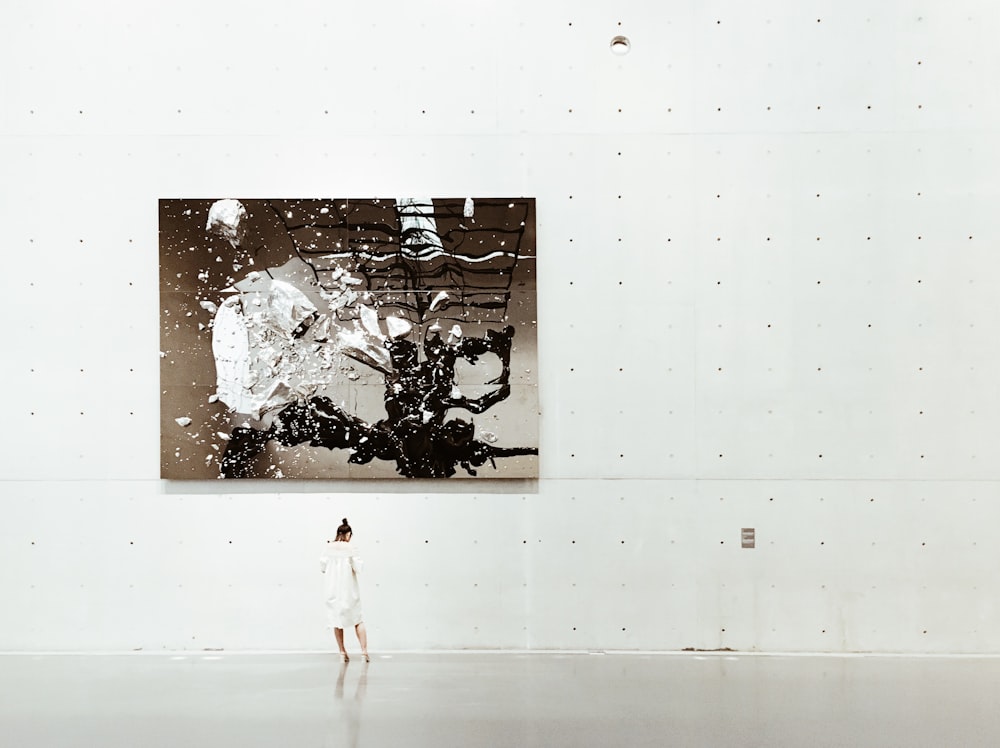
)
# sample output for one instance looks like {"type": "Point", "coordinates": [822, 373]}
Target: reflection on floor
{"type": "Point", "coordinates": [476, 699]}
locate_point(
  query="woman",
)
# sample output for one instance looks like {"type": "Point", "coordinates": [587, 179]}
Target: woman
{"type": "Point", "coordinates": [341, 564]}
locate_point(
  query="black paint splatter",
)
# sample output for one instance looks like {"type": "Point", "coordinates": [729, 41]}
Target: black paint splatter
{"type": "Point", "coordinates": [415, 434]}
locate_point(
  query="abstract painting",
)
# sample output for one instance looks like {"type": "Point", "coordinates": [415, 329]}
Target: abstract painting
{"type": "Point", "coordinates": [343, 338]}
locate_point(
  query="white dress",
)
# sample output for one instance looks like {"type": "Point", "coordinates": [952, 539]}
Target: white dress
{"type": "Point", "coordinates": [341, 564]}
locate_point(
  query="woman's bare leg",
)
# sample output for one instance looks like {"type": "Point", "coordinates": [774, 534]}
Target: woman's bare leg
{"type": "Point", "coordinates": [362, 638]}
{"type": "Point", "coordinates": [339, 634]}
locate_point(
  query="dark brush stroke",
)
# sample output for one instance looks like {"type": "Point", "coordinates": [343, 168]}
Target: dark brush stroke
{"type": "Point", "coordinates": [415, 434]}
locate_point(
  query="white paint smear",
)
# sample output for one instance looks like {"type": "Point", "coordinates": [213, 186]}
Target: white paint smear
{"type": "Point", "coordinates": [441, 296]}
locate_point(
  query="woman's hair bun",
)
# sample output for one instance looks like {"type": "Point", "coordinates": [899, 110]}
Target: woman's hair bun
{"type": "Point", "coordinates": [345, 520]}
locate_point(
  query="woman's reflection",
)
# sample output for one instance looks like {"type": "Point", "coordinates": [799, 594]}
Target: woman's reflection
{"type": "Point", "coordinates": [349, 709]}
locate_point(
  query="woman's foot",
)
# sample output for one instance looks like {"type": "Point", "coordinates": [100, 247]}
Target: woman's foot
{"type": "Point", "coordinates": [366, 657]}
{"type": "Point", "coordinates": [344, 657]}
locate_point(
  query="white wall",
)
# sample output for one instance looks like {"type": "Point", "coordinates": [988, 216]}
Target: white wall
{"type": "Point", "coordinates": [768, 298]}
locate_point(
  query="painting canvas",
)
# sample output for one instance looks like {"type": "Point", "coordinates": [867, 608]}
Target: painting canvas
{"type": "Point", "coordinates": [344, 338]}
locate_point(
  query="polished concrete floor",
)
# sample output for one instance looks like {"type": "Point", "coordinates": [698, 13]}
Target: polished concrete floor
{"type": "Point", "coordinates": [473, 699]}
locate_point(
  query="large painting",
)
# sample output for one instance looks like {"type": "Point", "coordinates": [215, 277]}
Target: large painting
{"type": "Point", "coordinates": [323, 338]}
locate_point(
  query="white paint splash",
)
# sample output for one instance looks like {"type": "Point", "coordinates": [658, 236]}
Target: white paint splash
{"type": "Point", "coordinates": [369, 320]}
{"type": "Point", "coordinates": [226, 218]}
{"type": "Point", "coordinates": [398, 327]}
{"type": "Point", "coordinates": [263, 348]}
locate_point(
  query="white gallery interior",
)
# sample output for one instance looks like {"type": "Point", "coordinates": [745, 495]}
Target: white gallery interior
{"type": "Point", "coordinates": [767, 299]}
